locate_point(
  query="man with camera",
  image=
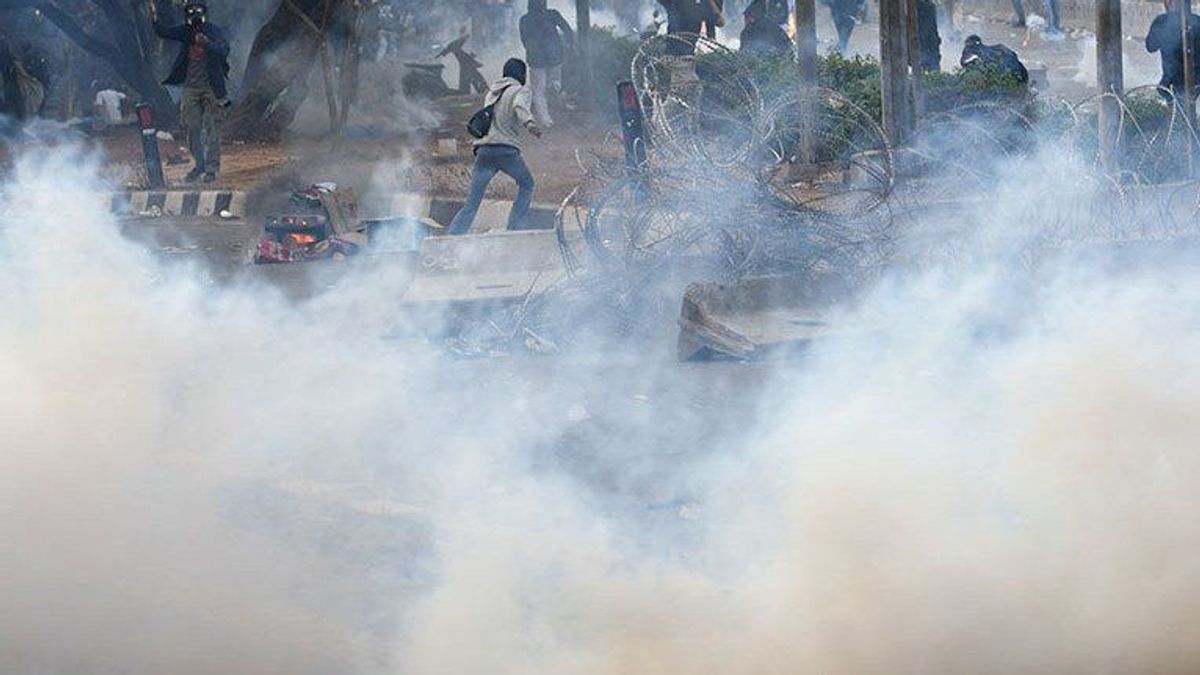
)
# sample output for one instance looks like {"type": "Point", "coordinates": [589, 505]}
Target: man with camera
{"type": "Point", "coordinates": [200, 68]}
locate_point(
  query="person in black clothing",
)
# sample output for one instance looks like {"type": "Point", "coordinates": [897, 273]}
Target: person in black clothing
{"type": "Point", "coordinates": [928, 37]}
{"type": "Point", "coordinates": [200, 68]}
{"type": "Point", "coordinates": [846, 14]}
{"type": "Point", "coordinates": [1166, 37]}
{"type": "Point", "coordinates": [763, 33]}
{"type": "Point", "coordinates": [997, 57]}
{"type": "Point", "coordinates": [546, 36]}
{"type": "Point", "coordinates": [685, 17]}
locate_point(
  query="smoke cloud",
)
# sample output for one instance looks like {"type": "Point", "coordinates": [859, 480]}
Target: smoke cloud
{"type": "Point", "coordinates": [990, 467]}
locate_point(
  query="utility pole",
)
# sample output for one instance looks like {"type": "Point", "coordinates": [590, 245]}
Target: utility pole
{"type": "Point", "coordinates": [806, 60]}
{"type": "Point", "coordinates": [893, 63]}
{"type": "Point", "coordinates": [806, 41]}
{"type": "Point", "coordinates": [917, 81]}
{"type": "Point", "coordinates": [583, 43]}
{"type": "Point", "coordinates": [1110, 76]}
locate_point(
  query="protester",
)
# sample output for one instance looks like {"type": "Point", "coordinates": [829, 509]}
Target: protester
{"type": "Point", "coordinates": [927, 36]}
{"type": "Point", "coordinates": [1166, 37]}
{"type": "Point", "coordinates": [21, 94]}
{"type": "Point", "coordinates": [201, 68]}
{"type": "Point", "coordinates": [500, 150]}
{"type": "Point", "coordinates": [109, 106]}
{"type": "Point", "coordinates": [685, 20]}
{"type": "Point", "coordinates": [846, 14]}
{"type": "Point", "coordinates": [546, 36]}
{"type": "Point", "coordinates": [996, 58]}
{"type": "Point", "coordinates": [691, 17]}
{"type": "Point", "coordinates": [1052, 10]}
{"type": "Point", "coordinates": [763, 33]}
{"type": "Point", "coordinates": [1019, 10]}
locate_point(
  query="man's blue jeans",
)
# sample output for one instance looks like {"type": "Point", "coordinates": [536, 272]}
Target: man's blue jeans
{"type": "Point", "coordinates": [490, 160]}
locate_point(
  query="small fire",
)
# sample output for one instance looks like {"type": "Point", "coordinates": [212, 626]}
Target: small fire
{"type": "Point", "coordinates": [298, 238]}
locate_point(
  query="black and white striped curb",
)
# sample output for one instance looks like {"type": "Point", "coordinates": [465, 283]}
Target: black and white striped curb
{"type": "Point", "coordinates": [226, 204]}
{"type": "Point", "coordinates": [202, 203]}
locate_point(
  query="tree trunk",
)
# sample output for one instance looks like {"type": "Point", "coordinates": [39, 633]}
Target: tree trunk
{"type": "Point", "coordinates": [124, 53]}
{"type": "Point", "coordinates": [278, 68]}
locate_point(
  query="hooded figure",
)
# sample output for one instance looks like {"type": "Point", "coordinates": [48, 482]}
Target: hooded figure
{"type": "Point", "coordinates": [546, 36]}
{"type": "Point", "coordinates": [500, 150]}
{"type": "Point", "coordinates": [201, 68]}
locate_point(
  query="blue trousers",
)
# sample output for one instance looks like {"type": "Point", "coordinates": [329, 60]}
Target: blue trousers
{"type": "Point", "coordinates": [490, 160]}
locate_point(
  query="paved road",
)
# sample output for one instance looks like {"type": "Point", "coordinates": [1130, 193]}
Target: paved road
{"type": "Point", "coordinates": [222, 250]}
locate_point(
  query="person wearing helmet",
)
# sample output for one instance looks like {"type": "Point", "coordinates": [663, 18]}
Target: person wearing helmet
{"type": "Point", "coordinates": [201, 68]}
{"type": "Point", "coordinates": [997, 58]}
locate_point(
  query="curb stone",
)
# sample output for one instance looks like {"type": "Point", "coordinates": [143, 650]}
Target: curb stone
{"type": "Point", "coordinates": [201, 203]}
{"type": "Point", "coordinates": [493, 213]}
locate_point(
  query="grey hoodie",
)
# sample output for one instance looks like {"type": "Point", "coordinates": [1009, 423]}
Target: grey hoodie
{"type": "Point", "coordinates": [512, 113]}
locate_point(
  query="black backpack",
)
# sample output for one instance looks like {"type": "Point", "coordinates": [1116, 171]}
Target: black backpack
{"type": "Point", "coordinates": [481, 122]}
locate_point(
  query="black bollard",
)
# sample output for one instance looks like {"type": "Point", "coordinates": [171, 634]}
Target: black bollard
{"type": "Point", "coordinates": [154, 169]}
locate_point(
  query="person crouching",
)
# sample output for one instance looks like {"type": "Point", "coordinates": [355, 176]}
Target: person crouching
{"type": "Point", "coordinates": [500, 150]}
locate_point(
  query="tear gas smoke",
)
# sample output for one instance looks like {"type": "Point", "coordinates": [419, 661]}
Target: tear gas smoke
{"type": "Point", "coordinates": [988, 469]}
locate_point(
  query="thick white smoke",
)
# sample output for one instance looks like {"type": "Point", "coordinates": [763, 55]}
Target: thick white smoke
{"type": "Point", "coordinates": [988, 469]}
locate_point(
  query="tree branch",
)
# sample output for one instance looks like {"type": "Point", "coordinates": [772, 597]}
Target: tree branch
{"type": "Point", "coordinates": [67, 25]}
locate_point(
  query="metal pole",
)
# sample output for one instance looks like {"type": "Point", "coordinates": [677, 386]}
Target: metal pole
{"type": "Point", "coordinates": [893, 62]}
{"type": "Point", "coordinates": [149, 134]}
{"type": "Point", "coordinates": [1110, 76]}
{"type": "Point", "coordinates": [583, 34]}
{"type": "Point", "coordinates": [806, 61]}
{"type": "Point", "coordinates": [1188, 103]}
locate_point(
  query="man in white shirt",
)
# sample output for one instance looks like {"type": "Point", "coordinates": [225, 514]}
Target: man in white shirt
{"type": "Point", "coordinates": [108, 106]}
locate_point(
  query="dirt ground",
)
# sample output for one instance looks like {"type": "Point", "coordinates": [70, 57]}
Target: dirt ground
{"type": "Point", "coordinates": [421, 162]}
{"type": "Point", "coordinates": [417, 161]}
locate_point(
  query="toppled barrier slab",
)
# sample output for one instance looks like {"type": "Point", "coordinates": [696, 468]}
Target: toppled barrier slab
{"type": "Point", "coordinates": [750, 319]}
{"type": "Point", "coordinates": [481, 270]}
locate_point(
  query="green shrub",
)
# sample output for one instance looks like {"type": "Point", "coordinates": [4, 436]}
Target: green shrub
{"type": "Point", "coordinates": [612, 56]}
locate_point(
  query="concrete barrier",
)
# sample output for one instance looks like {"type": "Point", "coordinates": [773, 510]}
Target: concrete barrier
{"type": "Point", "coordinates": [492, 215]}
{"type": "Point", "coordinates": [496, 267]}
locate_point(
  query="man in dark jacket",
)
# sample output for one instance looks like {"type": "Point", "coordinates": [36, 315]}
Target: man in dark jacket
{"type": "Point", "coordinates": [846, 15]}
{"type": "Point", "coordinates": [546, 36]}
{"type": "Point", "coordinates": [763, 33]}
{"type": "Point", "coordinates": [997, 58]}
{"type": "Point", "coordinates": [1166, 37]}
{"type": "Point", "coordinates": [688, 17]}
{"type": "Point", "coordinates": [201, 68]}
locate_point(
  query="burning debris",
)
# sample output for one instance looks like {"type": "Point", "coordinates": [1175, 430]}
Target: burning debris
{"type": "Point", "coordinates": [322, 221]}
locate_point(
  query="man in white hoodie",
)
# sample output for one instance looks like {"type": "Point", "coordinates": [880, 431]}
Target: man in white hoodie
{"type": "Point", "coordinates": [500, 150]}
